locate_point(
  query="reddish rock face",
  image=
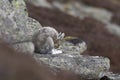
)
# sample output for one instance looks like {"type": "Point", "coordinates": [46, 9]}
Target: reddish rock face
{"type": "Point", "coordinates": [100, 41]}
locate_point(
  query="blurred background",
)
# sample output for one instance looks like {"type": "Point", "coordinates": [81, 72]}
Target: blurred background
{"type": "Point", "coordinates": [97, 22]}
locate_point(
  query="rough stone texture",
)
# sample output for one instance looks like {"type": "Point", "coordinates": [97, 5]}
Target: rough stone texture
{"type": "Point", "coordinates": [24, 47]}
{"type": "Point", "coordinates": [14, 28]}
{"type": "Point", "coordinates": [113, 28]}
{"type": "Point", "coordinates": [87, 66]}
{"type": "Point", "coordinates": [6, 6]}
{"type": "Point", "coordinates": [72, 44]}
{"type": "Point", "coordinates": [19, 31]}
{"type": "Point", "coordinates": [111, 75]}
{"type": "Point", "coordinates": [100, 42]}
{"type": "Point", "coordinates": [33, 27]}
{"type": "Point", "coordinates": [13, 20]}
{"type": "Point", "coordinates": [8, 27]}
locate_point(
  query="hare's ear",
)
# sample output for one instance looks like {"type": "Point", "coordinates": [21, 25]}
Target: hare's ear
{"type": "Point", "coordinates": [60, 35]}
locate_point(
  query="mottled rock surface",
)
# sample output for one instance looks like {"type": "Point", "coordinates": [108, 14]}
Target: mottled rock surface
{"type": "Point", "coordinates": [13, 20]}
{"type": "Point", "coordinates": [24, 47]}
{"type": "Point", "coordinates": [72, 44]}
{"type": "Point", "coordinates": [89, 67]}
{"type": "Point", "coordinates": [19, 30]}
{"type": "Point", "coordinates": [33, 27]}
{"type": "Point", "coordinates": [16, 26]}
{"type": "Point", "coordinates": [111, 76]}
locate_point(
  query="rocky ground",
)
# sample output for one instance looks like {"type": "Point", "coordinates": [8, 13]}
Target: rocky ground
{"type": "Point", "coordinates": [101, 41]}
{"type": "Point", "coordinates": [90, 28]}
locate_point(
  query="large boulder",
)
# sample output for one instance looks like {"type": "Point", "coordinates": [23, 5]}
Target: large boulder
{"type": "Point", "coordinates": [16, 27]}
{"type": "Point", "coordinates": [14, 21]}
{"type": "Point", "coordinates": [89, 67]}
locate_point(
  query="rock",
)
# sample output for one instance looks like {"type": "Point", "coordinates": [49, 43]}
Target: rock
{"type": "Point", "coordinates": [99, 40]}
{"type": "Point", "coordinates": [44, 40]}
{"type": "Point", "coordinates": [25, 47]}
{"type": "Point", "coordinates": [33, 27]}
{"type": "Point", "coordinates": [113, 28]}
{"type": "Point", "coordinates": [6, 11]}
{"type": "Point", "coordinates": [9, 30]}
{"type": "Point", "coordinates": [15, 25]}
{"type": "Point", "coordinates": [10, 20]}
{"type": "Point", "coordinates": [6, 7]}
{"type": "Point", "coordinates": [72, 44]}
{"type": "Point", "coordinates": [111, 76]}
{"type": "Point", "coordinates": [18, 29]}
{"type": "Point", "coordinates": [87, 66]}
